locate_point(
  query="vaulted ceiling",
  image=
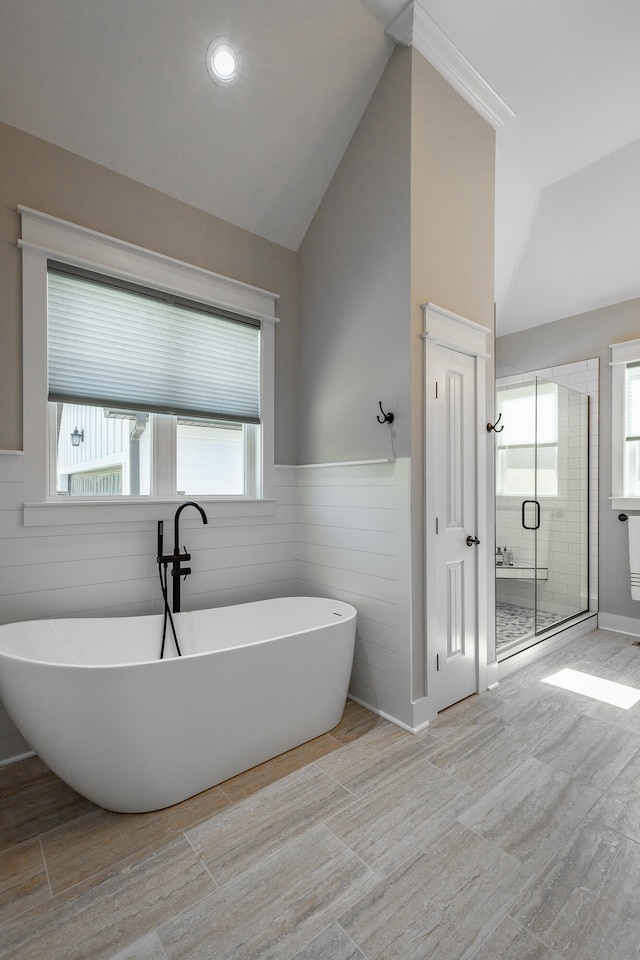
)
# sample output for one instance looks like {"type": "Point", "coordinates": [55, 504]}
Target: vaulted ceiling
{"type": "Point", "coordinates": [123, 83]}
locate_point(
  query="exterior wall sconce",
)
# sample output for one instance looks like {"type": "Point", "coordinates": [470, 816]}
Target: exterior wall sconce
{"type": "Point", "coordinates": [77, 437]}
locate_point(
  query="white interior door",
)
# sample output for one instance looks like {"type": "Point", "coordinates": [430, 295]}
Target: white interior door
{"type": "Point", "coordinates": [451, 518]}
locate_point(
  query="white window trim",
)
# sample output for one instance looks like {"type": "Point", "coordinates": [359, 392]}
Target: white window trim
{"type": "Point", "coordinates": [621, 354]}
{"type": "Point", "coordinates": [48, 238]}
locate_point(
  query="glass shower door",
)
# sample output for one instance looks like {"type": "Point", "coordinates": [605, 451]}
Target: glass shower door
{"type": "Point", "coordinates": [516, 517]}
{"type": "Point", "coordinates": [562, 492]}
{"type": "Point", "coordinates": [541, 508]}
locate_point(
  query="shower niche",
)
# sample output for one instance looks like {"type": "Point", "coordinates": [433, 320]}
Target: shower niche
{"type": "Point", "coordinates": [542, 509]}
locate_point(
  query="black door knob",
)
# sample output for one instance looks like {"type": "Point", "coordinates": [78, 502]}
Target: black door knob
{"type": "Point", "coordinates": [472, 541]}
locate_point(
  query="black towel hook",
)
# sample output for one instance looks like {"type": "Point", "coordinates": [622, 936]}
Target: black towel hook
{"type": "Point", "coordinates": [386, 417]}
{"type": "Point", "coordinates": [494, 426]}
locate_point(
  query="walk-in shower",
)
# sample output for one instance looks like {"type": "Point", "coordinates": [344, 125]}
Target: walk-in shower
{"type": "Point", "coordinates": [542, 508]}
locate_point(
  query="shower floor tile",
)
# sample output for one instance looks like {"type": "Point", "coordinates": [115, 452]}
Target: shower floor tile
{"type": "Point", "coordinates": [515, 623]}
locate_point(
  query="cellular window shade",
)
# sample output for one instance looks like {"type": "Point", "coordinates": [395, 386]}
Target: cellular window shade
{"type": "Point", "coordinates": [633, 401]}
{"type": "Point", "coordinates": [117, 347]}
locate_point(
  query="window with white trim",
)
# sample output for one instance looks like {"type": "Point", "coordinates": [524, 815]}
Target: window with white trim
{"type": "Point", "coordinates": [146, 379]}
{"type": "Point", "coordinates": [625, 426]}
{"type": "Point", "coordinates": [119, 352]}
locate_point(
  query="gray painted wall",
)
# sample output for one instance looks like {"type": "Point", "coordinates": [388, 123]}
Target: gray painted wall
{"type": "Point", "coordinates": [420, 154]}
{"type": "Point", "coordinates": [42, 176]}
{"type": "Point", "coordinates": [407, 219]}
{"type": "Point", "coordinates": [354, 282]}
{"type": "Point", "coordinates": [581, 338]}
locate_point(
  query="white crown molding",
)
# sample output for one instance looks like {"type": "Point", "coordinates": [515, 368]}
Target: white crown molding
{"type": "Point", "coordinates": [401, 27]}
{"type": "Point", "coordinates": [415, 27]}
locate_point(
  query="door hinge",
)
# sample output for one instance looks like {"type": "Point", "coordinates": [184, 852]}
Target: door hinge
{"type": "Point", "coordinates": [436, 389]}
{"type": "Point", "coordinates": [437, 661]}
{"type": "Point", "coordinates": [437, 531]}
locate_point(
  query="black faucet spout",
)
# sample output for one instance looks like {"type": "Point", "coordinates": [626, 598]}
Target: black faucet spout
{"type": "Point", "coordinates": [176, 522]}
{"type": "Point", "coordinates": [177, 571]}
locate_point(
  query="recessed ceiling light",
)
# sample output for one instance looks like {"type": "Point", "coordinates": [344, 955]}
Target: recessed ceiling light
{"type": "Point", "coordinates": [222, 62]}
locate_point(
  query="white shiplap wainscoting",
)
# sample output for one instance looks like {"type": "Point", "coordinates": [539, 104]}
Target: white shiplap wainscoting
{"type": "Point", "coordinates": [354, 546]}
{"type": "Point", "coordinates": [110, 570]}
{"type": "Point", "coordinates": [340, 530]}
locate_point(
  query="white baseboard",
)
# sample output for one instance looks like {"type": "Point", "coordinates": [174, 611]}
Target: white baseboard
{"type": "Point", "coordinates": [492, 675]}
{"type": "Point", "coordinates": [21, 756]}
{"type": "Point", "coordinates": [611, 621]}
{"type": "Point", "coordinates": [387, 716]}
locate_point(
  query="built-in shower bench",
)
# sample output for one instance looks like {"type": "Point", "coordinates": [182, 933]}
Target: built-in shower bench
{"type": "Point", "coordinates": [521, 572]}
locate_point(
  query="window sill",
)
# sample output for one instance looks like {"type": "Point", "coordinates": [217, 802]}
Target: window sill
{"type": "Point", "coordinates": [63, 512]}
{"type": "Point", "coordinates": [625, 503]}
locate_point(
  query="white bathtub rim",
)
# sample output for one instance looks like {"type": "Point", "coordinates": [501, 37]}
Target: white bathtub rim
{"type": "Point", "coordinates": [137, 740]}
{"type": "Point", "coordinates": [172, 655]}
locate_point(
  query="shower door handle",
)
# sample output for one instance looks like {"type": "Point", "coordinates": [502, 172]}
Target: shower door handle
{"type": "Point", "coordinates": [537, 520]}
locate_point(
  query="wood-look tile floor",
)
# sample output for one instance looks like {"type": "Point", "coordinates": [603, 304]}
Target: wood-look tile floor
{"type": "Point", "coordinates": [508, 830]}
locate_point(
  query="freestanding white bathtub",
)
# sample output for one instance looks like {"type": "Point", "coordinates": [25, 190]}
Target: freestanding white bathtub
{"type": "Point", "coordinates": [134, 733]}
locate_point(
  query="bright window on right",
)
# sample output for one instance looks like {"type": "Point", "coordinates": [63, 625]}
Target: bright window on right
{"type": "Point", "coordinates": [632, 430]}
{"type": "Point", "coordinates": [625, 425]}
